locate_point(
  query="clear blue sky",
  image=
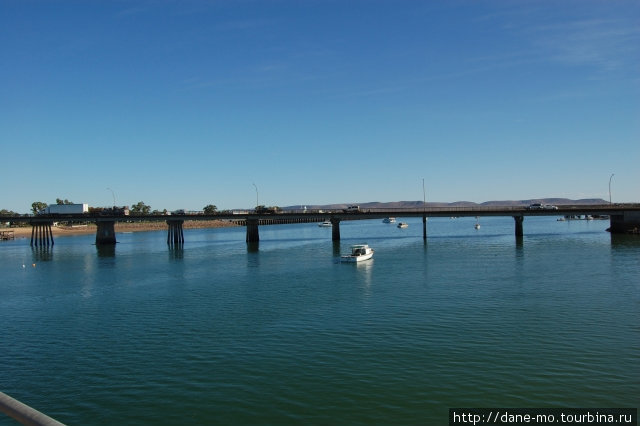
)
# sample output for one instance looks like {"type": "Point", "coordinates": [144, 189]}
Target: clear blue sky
{"type": "Point", "coordinates": [185, 103]}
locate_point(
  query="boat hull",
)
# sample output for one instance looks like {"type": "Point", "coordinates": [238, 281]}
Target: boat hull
{"type": "Point", "coordinates": [354, 259]}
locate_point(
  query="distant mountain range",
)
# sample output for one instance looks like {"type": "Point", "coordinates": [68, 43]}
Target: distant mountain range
{"type": "Point", "coordinates": [418, 204]}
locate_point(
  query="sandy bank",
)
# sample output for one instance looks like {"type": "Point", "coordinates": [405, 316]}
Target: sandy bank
{"type": "Point", "coordinates": [25, 231]}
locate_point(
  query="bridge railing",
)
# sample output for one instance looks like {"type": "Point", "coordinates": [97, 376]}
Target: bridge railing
{"type": "Point", "coordinates": [239, 214]}
{"type": "Point", "coordinates": [467, 209]}
{"type": "Point", "coordinates": [409, 210]}
{"type": "Point", "coordinates": [25, 414]}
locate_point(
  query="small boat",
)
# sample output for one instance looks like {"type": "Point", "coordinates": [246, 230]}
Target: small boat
{"type": "Point", "coordinates": [477, 225]}
{"type": "Point", "coordinates": [403, 225]}
{"type": "Point", "coordinates": [325, 224]}
{"type": "Point", "coordinates": [359, 252]}
{"type": "Point", "coordinates": [389, 220]}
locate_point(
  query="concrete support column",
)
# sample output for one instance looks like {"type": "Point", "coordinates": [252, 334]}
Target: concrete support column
{"type": "Point", "coordinates": [41, 234]}
{"type": "Point", "coordinates": [519, 220]}
{"type": "Point", "coordinates": [626, 222]}
{"type": "Point", "coordinates": [424, 226]}
{"type": "Point", "coordinates": [175, 234]}
{"type": "Point", "coordinates": [335, 229]}
{"type": "Point", "coordinates": [105, 232]}
{"type": "Point", "coordinates": [252, 231]}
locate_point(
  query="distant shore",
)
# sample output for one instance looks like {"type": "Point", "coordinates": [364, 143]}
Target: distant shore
{"type": "Point", "coordinates": [25, 231]}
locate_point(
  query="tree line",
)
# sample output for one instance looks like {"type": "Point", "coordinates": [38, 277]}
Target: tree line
{"type": "Point", "coordinates": [137, 209]}
{"type": "Point", "coordinates": [141, 209]}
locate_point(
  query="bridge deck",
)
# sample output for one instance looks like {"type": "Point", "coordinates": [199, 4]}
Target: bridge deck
{"type": "Point", "coordinates": [566, 210]}
{"type": "Point", "coordinates": [624, 218]}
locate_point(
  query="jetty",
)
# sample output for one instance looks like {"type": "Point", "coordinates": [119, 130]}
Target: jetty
{"type": "Point", "coordinates": [7, 235]}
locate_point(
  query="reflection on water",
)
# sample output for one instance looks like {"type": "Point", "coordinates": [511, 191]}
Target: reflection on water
{"type": "Point", "coordinates": [336, 249]}
{"type": "Point", "coordinates": [253, 255]}
{"type": "Point", "coordinates": [365, 272]}
{"type": "Point", "coordinates": [42, 253]}
{"type": "Point", "coordinates": [625, 240]}
{"type": "Point", "coordinates": [519, 241]}
{"type": "Point", "coordinates": [176, 252]}
{"type": "Point", "coordinates": [106, 250]}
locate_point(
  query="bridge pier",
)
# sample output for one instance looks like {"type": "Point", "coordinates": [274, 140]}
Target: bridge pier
{"type": "Point", "coordinates": [519, 220]}
{"type": "Point", "coordinates": [41, 234]}
{"type": "Point", "coordinates": [175, 235]}
{"type": "Point", "coordinates": [625, 223]}
{"type": "Point", "coordinates": [335, 229]}
{"type": "Point", "coordinates": [424, 227]}
{"type": "Point", "coordinates": [105, 232]}
{"type": "Point", "coordinates": [252, 231]}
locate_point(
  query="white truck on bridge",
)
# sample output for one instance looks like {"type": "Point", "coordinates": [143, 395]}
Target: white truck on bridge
{"type": "Point", "coordinates": [65, 209]}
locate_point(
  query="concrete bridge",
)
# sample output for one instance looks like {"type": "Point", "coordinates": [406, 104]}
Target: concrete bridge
{"type": "Point", "coordinates": [624, 218]}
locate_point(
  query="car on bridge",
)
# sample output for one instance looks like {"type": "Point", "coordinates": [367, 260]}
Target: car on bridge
{"type": "Point", "coordinates": [267, 210]}
{"type": "Point", "coordinates": [352, 209]}
{"type": "Point", "coordinates": [540, 206]}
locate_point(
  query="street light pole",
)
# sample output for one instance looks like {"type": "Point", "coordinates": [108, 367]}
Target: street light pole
{"type": "Point", "coordinates": [610, 177]}
{"type": "Point", "coordinates": [256, 195]}
{"type": "Point", "coordinates": [113, 195]}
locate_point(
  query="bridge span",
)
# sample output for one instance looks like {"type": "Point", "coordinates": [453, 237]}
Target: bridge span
{"type": "Point", "coordinates": [623, 218]}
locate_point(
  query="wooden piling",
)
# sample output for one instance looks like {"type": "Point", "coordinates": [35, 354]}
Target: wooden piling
{"type": "Point", "coordinates": [41, 234]}
{"type": "Point", "coordinates": [175, 233]}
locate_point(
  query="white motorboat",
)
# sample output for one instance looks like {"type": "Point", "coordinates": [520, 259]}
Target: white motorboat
{"type": "Point", "coordinates": [389, 220]}
{"type": "Point", "coordinates": [477, 225]}
{"type": "Point", "coordinates": [325, 224]}
{"type": "Point", "coordinates": [403, 225]}
{"type": "Point", "coordinates": [359, 252]}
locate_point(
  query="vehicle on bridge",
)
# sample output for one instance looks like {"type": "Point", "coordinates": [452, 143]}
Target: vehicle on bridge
{"type": "Point", "coordinates": [109, 211]}
{"type": "Point", "coordinates": [267, 210]}
{"type": "Point", "coordinates": [65, 209]}
{"type": "Point", "coordinates": [352, 209]}
{"type": "Point", "coordinates": [539, 206]}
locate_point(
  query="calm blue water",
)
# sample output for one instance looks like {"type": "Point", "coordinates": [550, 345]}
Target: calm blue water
{"type": "Point", "coordinates": [223, 333]}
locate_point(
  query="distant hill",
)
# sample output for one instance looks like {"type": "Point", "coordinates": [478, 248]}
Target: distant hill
{"type": "Point", "coordinates": [418, 204]}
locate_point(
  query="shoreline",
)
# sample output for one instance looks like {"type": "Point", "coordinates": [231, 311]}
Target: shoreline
{"type": "Point", "coordinates": [58, 231]}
